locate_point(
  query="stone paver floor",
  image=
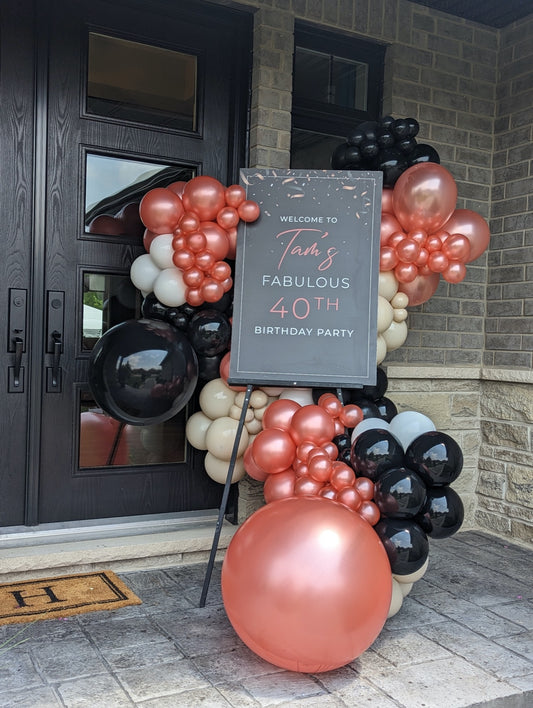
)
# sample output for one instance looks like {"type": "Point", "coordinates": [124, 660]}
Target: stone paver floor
{"type": "Point", "coordinates": [463, 637]}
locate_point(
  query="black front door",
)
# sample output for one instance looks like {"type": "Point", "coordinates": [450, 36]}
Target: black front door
{"type": "Point", "coordinates": [127, 96]}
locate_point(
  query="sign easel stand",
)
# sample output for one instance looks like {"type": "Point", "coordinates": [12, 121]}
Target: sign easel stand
{"type": "Point", "coordinates": [225, 495]}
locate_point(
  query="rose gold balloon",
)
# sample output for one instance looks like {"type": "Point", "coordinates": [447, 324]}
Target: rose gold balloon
{"type": "Point", "coordinates": [300, 468]}
{"type": "Point", "coordinates": [420, 289]}
{"type": "Point", "coordinates": [278, 414]}
{"type": "Point", "coordinates": [405, 272]}
{"type": "Point", "coordinates": [389, 225]}
{"type": "Point", "coordinates": [328, 492]}
{"type": "Point", "coordinates": [320, 467]}
{"type": "Point", "coordinates": [351, 415]}
{"type": "Point", "coordinates": [339, 427]}
{"type": "Point", "coordinates": [220, 270]}
{"type": "Point", "coordinates": [437, 261]}
{"type": "Point", "coordinates": [396, 238]}
{"type": "Point", "coordinates": [370, 512]}
{"type": "Point", "coordinates": [455, 272]}
{"type": "Point", "coordinates": [160, 210]}
{"type": "Point", "coordinates": [330, 404]}
{"type": "Point", "coordinates": [251, 467]}
{"type": "Point", "coordinates": [388, 258]}
{"type": "Point", "coordinates": [204, 196]}
{"type": "Point", "coordinates": [331, 450]}
{"type": "Point", "coordinates": [433, 243]}
{"type": "Point", "coordinates": [312, 423]}
{"type": "Point", "coordinates": [306, 584]}
{"type": "Point", "coordinates": [189, 222]}
{"type": "Point", "coordinates": [177, 187]}
{"type": "Point", "coordinates": [424, 197]}
{"type": "Point", "coordinates": [194, 297]}
{"type": "Point", "coordinates": [232, 240]}
{"type": "Point", "coordinates": [386, 201]}
{"type": "Point", "coordinates": [273, 450]}
{"type": "Point", "coordinates": [408, 250]}
{"type": "Point", "coordinates": [279, 486]}
{"type": "Point", "coordinates": [342, 476]}
{"type": "Point", "coordinates": [304, 449]}
{"type": "Point", "coordinates": [183, 259]}
{"type": "Point", "coordinates": [193, 277]}
{"type": "Point", "coordinates": [196, 241]}
{"type": "Point", "coordinates": [228, 217]}
{"type": "Point", "coordinates": [148, 238]}
{"type": "Point", "coordinates": [217, 239]}
{"type": "Point", "coordinates": [224, 371]}
{"type": "Point", "coordinates": [212, 290]}
{"type": "Point", "coordinates": [249, 210]}
{"type": "Point", "coordinates": [422, 258]}
{"type": "Point", "coordinates": [205, 260]}
{"type": "Point", "coordinates": [457, 248]}
{"type": "Point", "coordinates": [349, 497]}
{"type": "Point", "coordinates": [365, 488]}
{"type": "Point", "coordinates": [234, 195]}
{"type": "Point", "coordinates": [474, 227]}
{"type": "Point", "coordinates": [307, 487]}
{"type": "Point", "coordinates": [179, 242]}
{"type": "Point", "coordinates": [418, 235]}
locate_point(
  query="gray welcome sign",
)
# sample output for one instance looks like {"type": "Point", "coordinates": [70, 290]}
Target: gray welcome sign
{"type": "Point", "coordinates": [306, 279]}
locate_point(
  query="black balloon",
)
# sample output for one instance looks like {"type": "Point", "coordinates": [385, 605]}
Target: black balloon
{"type": "Point", "coordinates": [387, 409]}
{"type": "Point", "coordinates": [343, 441]}
{"type": "Point", "coordinates": [384, 138]}
{"type": "Point", "coordinates": [413, 127]}
{"type": "Point", "coordinates": [406, 145]}
{"type": "Point", "coordinates": [406, 544]}
{"type": "Point", "coordinates": [355, 136]}
{"type": "Point", "coordinates": [143, 372]}
{"type": "Point", "coordinates": [423, 153]}
{"type": "Point", "coordinates": [368, 407]}
{"type": "Point", "coordinates": [378, 389]}
{"type": "Point", "coordinates": [209, 367]}
{"type": "Point", "coordinates": [374, 452]}
{"type": "Point", "coordinates": [392, 162]}
{"type": "Point", "coordinates": [151, 308]}
{"type": "Point", "coordinates": [209, 332]}
{"type": "Point", "coordinates": [175, 316]}
{"type": "Point", "coordinates": [338, 159]}
{"type": "Point", "coordinates": [369, 149]}
{"type": "Point", "coordinates": [400, 128]}
{"type": "Point", "coordinates": [352, 155]}
{"type": "Point", "coordinates": [369, 128]}
{"type": "Point", "coordinates": [386, 122]}
{"type": "Point", "coordinates": [399, 493]}
{"type": "Point", "coordinates": [436, 457]}
{"type": "Point", "coordinates": [443, 513]}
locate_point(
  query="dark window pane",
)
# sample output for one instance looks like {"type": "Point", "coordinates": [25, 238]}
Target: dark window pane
{"type": "Point", "coordinates": [311, 75]}
{"type": "Point", "coordinates": [107, 301]}
{"type": "Point", "coordinates": [312, 151]}
{"type": "Point", "coordinates": [142, 83]}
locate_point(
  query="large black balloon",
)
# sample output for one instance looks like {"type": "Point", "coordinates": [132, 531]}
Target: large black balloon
{"type": "Point", "coordinates": [375, 451]}
{"type": "Point", "coordinates": [392, 162]}
{"type": "Point", "coordinates": [209, 332]}
{"type": "Point", "coordinates": [436, 456]}
{"type": "Point", "coordinates": [406, 544]}
{"type": "Point", "coordinates": [143, 372]}
{"type": "Point", "coordinates": [378, 389]}
{"type": "Point", "coordinates": [423, 153]}
{"type": "Point", "coordinates": [387, 409]}
{"type": "Point", "coordinates": [400, 493]}
{"type": "Point", "coordinates": [443, 513]}
{"type": "Point", "coordinates": [151, 308]}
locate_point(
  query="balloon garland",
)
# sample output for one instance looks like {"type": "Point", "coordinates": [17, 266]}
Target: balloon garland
{"type": "Point", "coordinates": [353, 489]}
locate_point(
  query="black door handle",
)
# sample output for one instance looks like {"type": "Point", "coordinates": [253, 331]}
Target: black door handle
{"type": "Point", "coordinates": [56, 356]}
{"type": "Point", "coordinates": [19, 348]}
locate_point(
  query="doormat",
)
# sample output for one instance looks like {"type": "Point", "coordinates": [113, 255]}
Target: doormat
{"type": "Point", "coordinates": [64, 596]}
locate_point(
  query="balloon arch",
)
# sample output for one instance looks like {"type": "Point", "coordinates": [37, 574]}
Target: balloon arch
{"type": "Point", "coordinates": [353, 489]}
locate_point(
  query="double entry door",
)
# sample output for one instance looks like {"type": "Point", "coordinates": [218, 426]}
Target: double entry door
{"type": "Point", "coordinates": [100, 102]}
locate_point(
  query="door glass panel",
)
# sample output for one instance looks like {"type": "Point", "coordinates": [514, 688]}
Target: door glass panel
{"type": "Point", "coordinates": [106, 442]}
{"type": "Point", "coordinates": [142, 83]}
{"type": "Point", "coordinates": [114, 188]}
{"type": "Point", "coordinates": [107, 301]}
{"type": "Point", "coordinates": [312, 151]}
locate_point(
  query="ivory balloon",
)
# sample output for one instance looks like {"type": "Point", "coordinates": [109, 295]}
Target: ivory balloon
{"type": "Point", "coordinates": [411, 578]}
{"type": "Point", "coordinates": [220, 438]}
{"type": "Point", "coordinates": [399, 301]}
{"type": "Point", "coordinates": [258, 399]}
{"type": "Point", "coordinates": [161, 251]}
{"type": "Point", "coordinates": [387, 284]}
{"type": "Point", "coordinates": [385, 314]}
{"type": "Point", "coordinates": [143, 273]}
{"type": "Point", "coordinates": [381, 351]}
{"type": "Point", "coordinates": [369, 424]}
{"type": "Point", "coordinates": [396, 599]}
{"type": "Point", "coordinates": [216, 398]}
{"type": "Point", "coordinates": [395, 335]}
{"type": "Point", "coordinates": [196, 430]}
{"type": "Point", "coordinates": [254, 426]}
{"type": "Point", "coordinates": [400, 314]}
{"type": "Point", "coordinates": [408, 425]}
{"type": "Point", "coordinates": [169, 287]}
{"type": "Point", "coordinates": [218, 469]}
{"type": "Point", "coordinates": [303, 396]}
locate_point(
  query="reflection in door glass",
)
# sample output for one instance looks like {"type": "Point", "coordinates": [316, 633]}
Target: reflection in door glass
{"type": "Point", "coordinates": [142, 83]}
{"type": "Point", "coordinates": [106, 442]}
{"type": "Point", "coordinates": [107, 301]}
{"type": "Point", "coordinates": [114, 188]}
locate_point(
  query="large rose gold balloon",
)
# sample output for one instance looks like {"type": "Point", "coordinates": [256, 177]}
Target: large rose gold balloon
{"type": "Point", "coordinates": [204, 196]}
{"type": "Point", "coordinates": [474, 227]}
{"type": "Point", "coordinates": [160, 210]}
{"type": "Point", "coordinates": [389, 225]}
{"type": "Point", "coordinates": [306, 584]}
{"type": "Point", "coordinates": [386, 201]}
{"type": "Point", "coordinates": [424, 197]}
{"type": "Point", "coordinates": [99, 436]}
{"type": "Point", "coordinates": [312, 423]}
{"type": "Point", "coordinates": [251, 467]}
{"type": "Point", "coordinates": [279, 486]}
{"type": "Point", "coordinates": [273, 450]}
{"type": "Point", "coordinates": [217, 239]}
{"type": "Point", "coordinates": [420, 289]}
{"type": "Point", "coordinates": [278, 414]}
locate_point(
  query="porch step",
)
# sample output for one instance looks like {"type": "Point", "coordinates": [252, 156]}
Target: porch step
{"type": "Point", "coordinates": [138, 543]}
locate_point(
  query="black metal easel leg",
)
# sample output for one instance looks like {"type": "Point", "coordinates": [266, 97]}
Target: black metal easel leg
{"type": "Point", "coordinates": [225, 496]}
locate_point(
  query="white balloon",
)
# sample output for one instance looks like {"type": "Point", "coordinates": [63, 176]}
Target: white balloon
{"type": "Point", "coordinates": [395, 335]}
{"type": "Point", "coordinates": [303, 396]}
{"type": "Point", "coordinates": [143, 273]}
{"type": "Point", "coordinates": [385, 314]}
{"type": "Point", "coordinates": [218, 469]}
{"type": "Point", "coordinates": [169, 287]}
{"type": "Point", "coordinates": [216, 399]}
{"type": "Point", "coordinates": [220, 438]}
{"type": "Point", "coordinates": [408, 425]}
{"type": "Point", "coordinates": [196, 429]}
{"type": "Point", "coordinates": [387, 284]}
{"type": "Point", "coordinates": [396, 599]}
{"type": "Point", "coordinates": [161, 251]}
{"type": "Point", "coordinates": [369, 424]}
{"type": "Point", "coordinates": [381, 349]}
